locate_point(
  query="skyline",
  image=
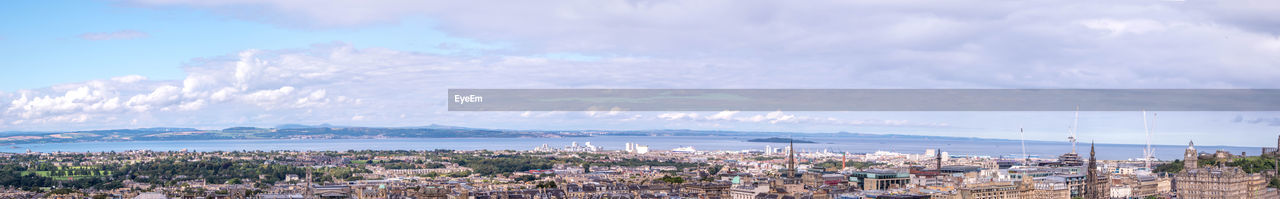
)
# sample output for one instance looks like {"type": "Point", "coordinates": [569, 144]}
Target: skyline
{"type": "Point", "coordinates": [134, 64]}
{"type": "Point", "coordinates": [803, 134]}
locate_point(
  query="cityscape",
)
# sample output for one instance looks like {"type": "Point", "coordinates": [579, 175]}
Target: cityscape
{"type": "Point", "coordinates": [584, 170]}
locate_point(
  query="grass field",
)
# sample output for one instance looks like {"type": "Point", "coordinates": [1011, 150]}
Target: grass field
{"type": "Point", "coordinates": [366, 161]}
{"type": "Point", "coordinates": [94, 173]}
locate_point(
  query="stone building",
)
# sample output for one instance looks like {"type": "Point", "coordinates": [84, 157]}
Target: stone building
{"type": "Point", "coordinates": [1215, 182]}
{"type": "Point", "coordinates": [1025, 189]}
{"type": "Point", "coordinates": [1272, 151]}
{"type": "Point", "coordinates": [1190, 159]}
{"type": "Point", "coordinates": [1097, 184]}
{"type": "Point", "coordinates": [1218, 181]}
{"type": "Point", "coordinates": [710, 190]}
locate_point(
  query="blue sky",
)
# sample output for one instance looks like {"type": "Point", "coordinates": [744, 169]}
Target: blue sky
{"type": "Point", "coordinates": [214, 64]}
{"type": "Point", "coordinates": [51, 51]}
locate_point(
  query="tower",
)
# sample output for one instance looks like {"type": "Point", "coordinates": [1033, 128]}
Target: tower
{"type": "Point", "coordinates": [791, 159]}
{"type": "Point", "coordinates": [844, 160]}
{"type": "Point", "coordinates": [1191, 158]}
{"type": "Point", "coordinates": [309, 192]}
{"type": "Point", "coordinates": [1092, 190]}
{"type": "Point", "coordinates": [1027, 183]}
{"type": "Point", "coordinates": [938, 159]}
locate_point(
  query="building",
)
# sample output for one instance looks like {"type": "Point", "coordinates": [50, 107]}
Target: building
{"type": "Point", "coordinates": [1024, 189]}
{"type": "Point", "coordinates": [1096, 184]}
{"type": "Point", "coordinates": [747, 192]}
{"type": "Point", "coordinates": [1265, 151]}
{"type": "Point", "coordinates": [1070, 159]}
{"type": "Point", "coordinates": [1218, 181]}
{"type": "Point", "coordinates": [1190, 159]}
{"type": "Point", "coordinates": [1074, 182]}
{"type": "Point", "coordinates": [1050, 189]}
{"type": "Point", "coordinates": [636, 148]}
{"type": "Point", "coordinates": [1214, 182]}
{"type": "Point", "coordinates": [1146, 186]}
{"type": "Point", "coordinates": [880, 179]}
{"type": "Point", "coordinates": [150, 195]}
{"type": "Point", "coordinates": [713, 190]}
{"type": "Point", "coordinates": [1122, 192]}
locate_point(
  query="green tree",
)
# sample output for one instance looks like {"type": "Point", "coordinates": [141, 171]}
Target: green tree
{"type": "Point", "coordinates": [1171, 167]}
{"type": "Point", "coordinates": [715, 170]}
{"type": "Point", "coordinates": [526, 178]}
{"type": "Point", "coordinates": [548, 184]}
{"type": "Point", "coordinates": [672, 180]}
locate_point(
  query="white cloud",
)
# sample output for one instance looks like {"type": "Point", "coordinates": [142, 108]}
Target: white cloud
{"type": "Point", "coordinates": [334, 82]}
{"type": "Point", "coordinates": [117, 35]}
{"type": "Point", "coordinates": [79, 99]}
{"type": "Point", "coordinates": [327, 82]}
{"type": "Point", "coordinates": [161, 97]}
{"type": "Point", "coordinates": [1120, 27]}
{"type": "Point", "coordinates": [267, 98]}
{"type": "Point", "coordinates": [676, 44]}
{"type": "Point", "coordinates": [840, 44]}
{"type": "Point", "coordinates": [129, 78]}
{"type": "Point", "coordinates": [677, 116]}
{"type": "Point", "coordinates": [723, 115]}
{"type": "Point", "coordinates": [191, 106]}
{"type": "Point", "coordinates": [779, 117]}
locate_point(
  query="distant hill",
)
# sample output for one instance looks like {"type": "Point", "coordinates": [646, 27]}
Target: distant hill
{"type": "Point", "coordinates": [779, 140]}
{"type": "Point", "coordinates": [327, 131]}
{"type": "Point", "coordinates": [300, 126]}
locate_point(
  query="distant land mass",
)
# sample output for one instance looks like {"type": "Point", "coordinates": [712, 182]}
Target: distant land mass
{"type": "Point", "coordinates": [326, 131]}
{"type": "Point", "coordinates": [779, 140]}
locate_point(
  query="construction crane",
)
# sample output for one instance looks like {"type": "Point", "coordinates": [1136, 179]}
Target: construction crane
{"type": "Point", "coordinates": [1072, 130]}
{"type": "Point", "coordinates": [1148, 153]}
{"type": "Point", "coordinates": [1023, 138]}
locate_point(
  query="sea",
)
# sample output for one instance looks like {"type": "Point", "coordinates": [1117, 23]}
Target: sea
{"type": "Point", "coordinates": [917, 145]}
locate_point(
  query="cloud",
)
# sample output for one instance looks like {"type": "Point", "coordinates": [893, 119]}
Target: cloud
{"type": "Point", "coordinates": [678, 115]}
{"type": "Point", "coordinates": [1269, 121]}
{"type": "Point", "coordinates": [673, 44]}
{"type": "Point", "coordinates": [779, 117]}
{"type": "Point", "coordinates": [117, 35]}
{"type": "Point", "coordinates": [897, 44]}
{"type": "Point", "coordinates": [161, 97]}
{"type": "Point", "coordinates": [328, 83]}
{"type": "Point", "coordinates": [129, 78]}
{"type": "Point", "coordinates": [1255, 15]}
{"type": "Point", "coordinates": [1121, 27]}
{"type": "Point", "coordinates": [723, 115]}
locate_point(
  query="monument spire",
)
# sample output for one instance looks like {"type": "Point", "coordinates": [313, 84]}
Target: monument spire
{"type": "Point", "coordinates": [1091, 176]}
{"type": "Point", "coordinates": [938, 159]}
{"type": "Point", "coordinates": [791, 159]}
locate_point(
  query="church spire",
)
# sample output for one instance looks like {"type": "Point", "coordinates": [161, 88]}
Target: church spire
{"type": "Point", "coordinates": [1092, 191]}
{"type": "Point", "coordinates": [791, 159]}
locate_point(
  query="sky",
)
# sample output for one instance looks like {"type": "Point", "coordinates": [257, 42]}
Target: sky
{"type": "Point", "coordinates": [83, 65]}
